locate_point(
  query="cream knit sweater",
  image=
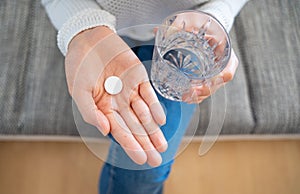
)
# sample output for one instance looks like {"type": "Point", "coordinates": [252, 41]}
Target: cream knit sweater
{"type": "Point", "coordinates": [73, 16]}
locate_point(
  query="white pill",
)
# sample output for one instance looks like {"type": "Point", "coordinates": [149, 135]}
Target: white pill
{"type": "Point", "coordinates": [113, 85]}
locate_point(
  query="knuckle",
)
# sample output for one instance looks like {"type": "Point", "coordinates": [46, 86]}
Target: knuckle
{"type": "Point", "coordinates": [126, 145]}
{"type": "Point", "coordinates": [138, 130]}
{"type": "Point", "coordinates": [145, 142]}
{"type": "Point", "coordinates": [144, 116]}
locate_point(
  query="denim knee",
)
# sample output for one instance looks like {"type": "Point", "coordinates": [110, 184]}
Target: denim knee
{"type": "Point", "coordinates": [153, 175]}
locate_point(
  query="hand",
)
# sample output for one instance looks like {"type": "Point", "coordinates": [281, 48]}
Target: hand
{"type": "Point", "coordinates": [191, 22]}
{"type": "Point", "coordinates": [199, 93]}
{"type": "Point", "coordinates": [133, 116]}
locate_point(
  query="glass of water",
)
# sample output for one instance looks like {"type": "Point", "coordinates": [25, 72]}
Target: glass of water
{"type": "Point", "coordinates": [191, 48]}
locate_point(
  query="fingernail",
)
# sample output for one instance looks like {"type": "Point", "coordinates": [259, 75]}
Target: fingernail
{"type": "Point", "coordinates": [104, 132]}
{"type": "Point", "coordinates": [101, 129]}
{"type": "Point", "coordinates": [162, 144]}
{"type": "Point", "coordinates": [154, 158]}
{"type": "Point", "coordinates": [227, 77]}
{"type": "Point", "coordinates": [102, 125]}
{"type": "Point", "coordinates": [162, 147]}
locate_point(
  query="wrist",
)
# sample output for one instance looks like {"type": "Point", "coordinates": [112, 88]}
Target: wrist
{"type": "Point", "coordinates": [88, 38]}
{"type": "Point", "coordinates": [83, 20]}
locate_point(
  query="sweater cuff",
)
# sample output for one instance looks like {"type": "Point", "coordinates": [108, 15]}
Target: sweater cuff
{"type": "Point", "coordinates": [86, 19]}
{"type": "Point", "coordinates": [221, 11]}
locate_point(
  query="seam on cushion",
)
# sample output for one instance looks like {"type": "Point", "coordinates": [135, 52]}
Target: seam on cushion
{"type": "Point", "coordinates": [240, 32]}
{"type": "Point", "coordinates": [21, 86]}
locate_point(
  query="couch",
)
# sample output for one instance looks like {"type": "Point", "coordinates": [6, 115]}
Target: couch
{"type": "Point", "coordinates": [263, 99]}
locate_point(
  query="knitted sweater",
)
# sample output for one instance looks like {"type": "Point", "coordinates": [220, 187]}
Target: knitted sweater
{"type": "Point", "coordinates": [73, 16]}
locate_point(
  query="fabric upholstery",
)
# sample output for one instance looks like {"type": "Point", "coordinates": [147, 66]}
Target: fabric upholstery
{"type": "Point", "coordinates": [268, 33]}
{"type": "Point", "coordinates": [264, 96]}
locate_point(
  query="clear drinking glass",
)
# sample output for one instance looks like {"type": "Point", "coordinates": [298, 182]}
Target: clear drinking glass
{"type": "Point", "coordinates": [191, 47]}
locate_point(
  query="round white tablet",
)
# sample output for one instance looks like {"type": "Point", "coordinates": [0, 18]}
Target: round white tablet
{"type": "Point", "coordinates": [113, 85]}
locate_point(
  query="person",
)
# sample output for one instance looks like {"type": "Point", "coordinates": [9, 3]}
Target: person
{"type": "Point", "coordinates": [145, 139]}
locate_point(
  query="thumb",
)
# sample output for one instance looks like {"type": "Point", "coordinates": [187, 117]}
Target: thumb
{"type": "Point", "coordinates": [90, 112]}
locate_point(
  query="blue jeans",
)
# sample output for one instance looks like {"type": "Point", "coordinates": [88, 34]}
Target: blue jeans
{"type": "Point", "coordinates": [120, 175]}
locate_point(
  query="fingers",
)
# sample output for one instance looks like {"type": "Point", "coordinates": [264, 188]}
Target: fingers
{"type": "Point", "coordinates": [155, 134]}
{"type": "Point", "coordinates": [131, 81]}
{"type": "Point", "coordinates": [89, 111]}
{"type": "Point", "coordinates": [159, 141]}
{"type": "Point", "coordinates": [153, 157]}
{"type": "Point", "coordinates": [204, 91]}
{"type": "Point", "coordinates": [140, 109]}
{"type": "Point", "coordinates": [217, 43]}
{"type": "Point", "coordinates": [124, 137]}
{"type": "Point", "coordinates": [137, 145]}
{"type": "Point", "coordinates": [189, 21]}
{"type": "Point", "coordinates": [149, 96]}
{"type": "Point", "coordinates": [139, 133]}
{"type": "Point", "coordinates": [144, 116]}
{"type": "Point", "coordinates": [229, 71]}
{"type": "Point", "coordinates": [199, 93]}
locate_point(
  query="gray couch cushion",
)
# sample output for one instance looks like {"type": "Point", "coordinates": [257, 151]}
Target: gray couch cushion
{"type": "Point", "coordinates": [268, 33]}
{"type": "Point", "coordinates": [266, 39]}
{"type": "Point", "coordinates": [33, 95]}
{"type": "Point", "coordinates": [263, 98]}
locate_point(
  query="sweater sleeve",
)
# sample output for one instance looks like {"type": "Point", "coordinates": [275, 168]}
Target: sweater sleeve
{"type": "Point", "coordinates": [224, 10]}
{"type": "Point", "coordinates": [71, 17]}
